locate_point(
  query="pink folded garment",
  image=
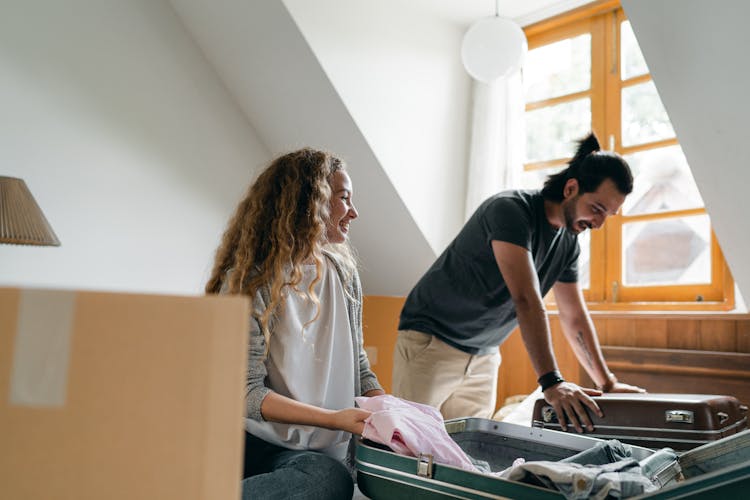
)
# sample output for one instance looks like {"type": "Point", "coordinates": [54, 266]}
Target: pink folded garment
{"type": "Point", "coordinates": [410, 429]}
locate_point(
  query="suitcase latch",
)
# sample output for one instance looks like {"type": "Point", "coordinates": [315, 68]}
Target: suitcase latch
{"type": "Point", "coordinates": [424, 465]}
{"type": "Point", "coordinates": [679, 416]}
{"type": "Point", "coordinates": [548, 414]}
{"type": "Point", "coordinates": [455, 426]}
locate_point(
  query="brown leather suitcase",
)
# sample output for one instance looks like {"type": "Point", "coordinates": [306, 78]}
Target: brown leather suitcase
{"type": "Point", "coordinates": [677, 421]}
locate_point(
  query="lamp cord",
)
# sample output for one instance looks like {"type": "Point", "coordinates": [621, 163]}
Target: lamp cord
{"type": "Point", "coordinates": [497, 8]}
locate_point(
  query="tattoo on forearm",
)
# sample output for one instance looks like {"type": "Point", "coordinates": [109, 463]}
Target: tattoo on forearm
{"type": "Point", "coordinates": [585, 349]}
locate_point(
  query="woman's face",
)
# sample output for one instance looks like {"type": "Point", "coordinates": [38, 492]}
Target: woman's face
{"type": "Point", "coordinates": [341, 209]}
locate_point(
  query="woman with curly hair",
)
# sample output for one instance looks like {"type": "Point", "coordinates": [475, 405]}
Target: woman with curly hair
{"type": "Point", "coordinates": [286, 247]}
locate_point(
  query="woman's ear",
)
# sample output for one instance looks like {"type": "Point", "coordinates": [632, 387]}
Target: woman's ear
{"type": "Point", "coordinates": [571, 188]}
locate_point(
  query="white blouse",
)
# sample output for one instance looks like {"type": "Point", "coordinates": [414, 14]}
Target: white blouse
{"type": "Point", "coordinates": [311, 363]}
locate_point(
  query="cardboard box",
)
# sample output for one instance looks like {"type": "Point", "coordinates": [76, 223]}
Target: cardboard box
{"type": "Point", "coordinates": [121, 396]}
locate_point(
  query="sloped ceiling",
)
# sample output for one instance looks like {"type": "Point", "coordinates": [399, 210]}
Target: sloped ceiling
{"type": "Point", "coordinates": [401, 80]}
{"type": "Point", "coordinates": [259, 53]}
{"type": "Point", "coordinates": [697, 54]}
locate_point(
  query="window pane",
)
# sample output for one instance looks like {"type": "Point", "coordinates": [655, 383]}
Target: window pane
{"type": "Point", "coordinates": [551, 131]}
{"type": "Point", "coordinates": [644, 118]}
{"type": "Point", "coordinates": [584, 260]}
{"type": "Point", "coordinates": [675, 251]}
{"type": "Point", "coordinates": [632, 62]}
{"type": "Point", "coordinates": [557, 69]}
{"type": "Point", "coordinates": [663, 181]}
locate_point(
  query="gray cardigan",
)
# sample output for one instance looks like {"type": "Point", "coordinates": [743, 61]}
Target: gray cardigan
{"type": "Point", "coordinates": [256, 389]}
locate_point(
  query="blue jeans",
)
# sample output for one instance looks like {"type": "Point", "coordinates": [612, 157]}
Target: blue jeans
{"type": "Point", "coordinates": [273, 472]}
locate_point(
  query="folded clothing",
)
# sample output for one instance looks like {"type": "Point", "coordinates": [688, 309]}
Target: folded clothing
{"type": "Point", "coordinates": [411, 428]}
{"type": "Point", "coordinates": [606, 470]}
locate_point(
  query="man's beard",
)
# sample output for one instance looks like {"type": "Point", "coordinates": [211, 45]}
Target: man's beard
{"type": "Point", "coordinates": [570, 215]}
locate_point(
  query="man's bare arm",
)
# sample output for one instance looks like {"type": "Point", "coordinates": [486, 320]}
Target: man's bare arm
{"type": "Point", "coordinates": [517, 268]}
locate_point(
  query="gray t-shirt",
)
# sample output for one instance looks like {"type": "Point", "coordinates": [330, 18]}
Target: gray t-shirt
{"type": "Point", "coordinates": [462, 299]}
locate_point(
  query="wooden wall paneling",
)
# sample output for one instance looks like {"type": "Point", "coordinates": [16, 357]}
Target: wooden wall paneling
{"type": "Point", "coordinates": [743, 335]}
{"type": "Point", "coordinates": [678, 371]}
{"type": "Point", "coordinates": [683, 334]}
{"type": "Point", "coordinates": [651, 333]}
{"type": "Point", "coordinates": [718, 335]}
{"type": "Point", "coordinates": [380, 329]}
{"type": "Point", "coordinates": [621, 332]}
{"type": "Point", "coordinates": [602, 331]}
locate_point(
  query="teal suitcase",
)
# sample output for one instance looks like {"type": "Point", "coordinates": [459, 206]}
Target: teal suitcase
{"type": "Point", "coordinates": [384, 475]}
{"type": "Point", "coordinates": [717, 470]}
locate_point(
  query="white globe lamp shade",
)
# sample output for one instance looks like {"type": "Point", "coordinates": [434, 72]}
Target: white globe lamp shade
{"type": "Point", "coordinates": [492, 48]}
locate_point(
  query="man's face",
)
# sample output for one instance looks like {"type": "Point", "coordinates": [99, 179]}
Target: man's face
{"type": "Point", "coordinates": [590, 210]}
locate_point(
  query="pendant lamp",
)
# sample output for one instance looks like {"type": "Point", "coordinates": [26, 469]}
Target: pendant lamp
{"type": "Point", "coordinates": [493, 47]}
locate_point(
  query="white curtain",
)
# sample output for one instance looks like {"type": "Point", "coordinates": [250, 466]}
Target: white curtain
{"type": "Point", "coordinates": [497, 139]}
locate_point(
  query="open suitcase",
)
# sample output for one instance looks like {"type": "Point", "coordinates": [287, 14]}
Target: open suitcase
{"type": "Point", "coordinates": [382, 474]}
{"type": "Point", "coordinates": [720, 469]}
{"type": "Point", "coordinates": [677, 421]}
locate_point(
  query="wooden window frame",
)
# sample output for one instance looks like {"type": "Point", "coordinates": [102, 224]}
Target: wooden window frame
{"type": "Point", "coordinates": [602, 20]}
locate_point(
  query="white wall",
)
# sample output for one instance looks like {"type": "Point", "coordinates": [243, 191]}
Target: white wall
{"type": "Point", "coordinates": [397, 67]}
{"type": "Point", "coordinates": [128, 140]}
{"type": "Point", "coordinates": [261, 55]}
{"type": "Point", "coordinates": [697, 54]}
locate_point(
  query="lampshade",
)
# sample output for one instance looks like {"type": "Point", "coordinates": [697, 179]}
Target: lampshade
{"type": "Point", "coordinates": [492, 48]}
{"type": "Point", "coordinates": [21, 220]}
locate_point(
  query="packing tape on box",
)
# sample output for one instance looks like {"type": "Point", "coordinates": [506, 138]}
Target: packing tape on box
{"type": "Point", "coordinates": [42, 348]}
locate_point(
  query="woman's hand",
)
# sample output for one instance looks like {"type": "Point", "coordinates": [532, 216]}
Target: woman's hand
{"type": "Point", "coordinates": [374, 392]}
{"type": "Point", "coordinates": [277, 408]}
{"type": "Point", "coordinates": [350, 420]}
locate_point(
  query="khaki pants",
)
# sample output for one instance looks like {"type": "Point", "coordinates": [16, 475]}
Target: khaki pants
{"type": "Point", "coordinates": [429, 371]}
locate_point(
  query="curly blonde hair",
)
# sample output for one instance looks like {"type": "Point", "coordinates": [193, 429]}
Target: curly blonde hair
{"type": "Point", "coordinates": [278, 226]}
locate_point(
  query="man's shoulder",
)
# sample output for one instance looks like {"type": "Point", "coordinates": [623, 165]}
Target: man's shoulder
{"type": "Point", "coordinates": [513, 200]}
{"type": "Point", "coordinates": [518, 195]}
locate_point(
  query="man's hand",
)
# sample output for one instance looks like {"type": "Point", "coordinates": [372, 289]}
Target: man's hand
{"type": "Point", "coordinates": [620, 387]}
{"type": "Point", "coordinates": [614, 385]}
{"type": "Point", "coordinates": [570, 401]}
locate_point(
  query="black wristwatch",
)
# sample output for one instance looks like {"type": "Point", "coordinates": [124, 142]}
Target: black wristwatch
{"type": "Point", "coordinates": [549, 379]}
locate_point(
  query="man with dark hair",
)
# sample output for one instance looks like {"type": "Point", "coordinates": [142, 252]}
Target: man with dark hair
{"type": "Point", "coordinates": [515, 248]}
